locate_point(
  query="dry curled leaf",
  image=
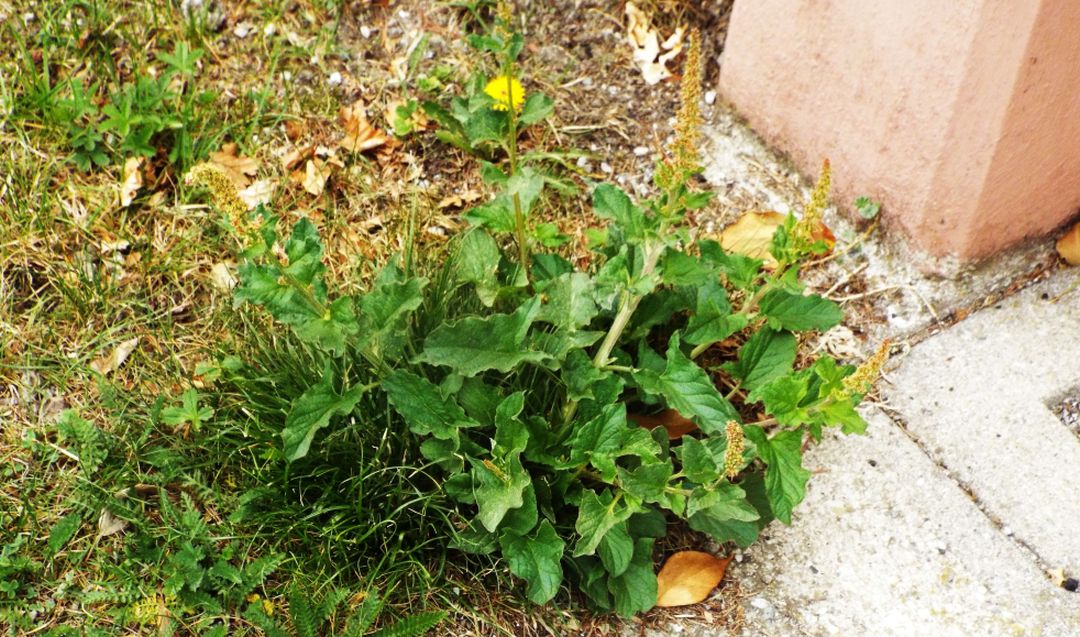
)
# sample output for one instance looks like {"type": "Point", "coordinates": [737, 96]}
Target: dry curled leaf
{"type": "Point", "coordinates": [752, 234]}
{"type": "Point", "coordinates": [688, 577]}
{"type": "Point", "coordinates": [360, 135]}
{"type": "Point", "coordinates": [314, 176]}
{"type": "Point", "coordinates": [239, 169]}
{"type": "Point", "coordinates": [1068, 246]}
{"type": "Point", "coordinates": [677, 426]}
{"type": "Point", "coordinates": [647, 45]}
{"type": "Point", "coordinates": [114, 359]}
{"type": "Point", "coordinates": [459, 200]}
{"type": "Point", "coordinates": [109, 524]}
{"type": "Point", "coordinates": [133, 180]}
{"type": "Point", "coordinates": [260, 192]}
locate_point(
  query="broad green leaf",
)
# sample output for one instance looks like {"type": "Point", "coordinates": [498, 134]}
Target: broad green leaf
{"type": "Point", "coordinates": [478, 262]}
{"type": "Point", "coordinates": [698, 463]}
{"type": "Point", "coordinates": [796, 312]}
{"type": "Point", "coordinates": [785, 478]}
{"type": "Point", "coordinates": [547, 268]}
{"type": "Point", "coordinates": [295, 293]}
{"type": "Point", "coordinates": [523, 519]}
{"type": "Point", "coordinates": [841, 413]}
{"type": "Point", "coordinates": [597, 514]}
{"type": "Point", "coordinates": [537, 559]}
{"type": "Point", "coordinates": [783, 398]}
{"type": "Point", "coordinates": [616, 549]}
{"type": "Point", "coordinates": [579, 375]}
{"type": "Point", "coordinates": [570, 301]}
{"type": "Point", "coordinates": [712, 320]}
{"type": "Point", "coordinates": [607, 437]}
{"type": "Point", "coordinates": [501, 482]}
{"type": "Point", "coordinates": [741, 271]}
{"type": "Point", "coordinates": [474, 345]}
{"type": "Point", "coordinates": [383, 311]}
{"type": "Point", "coordinates": [766, 355]}
{"type": "Point", "coordinates": [511, 435]}
{"type": "Point", "coordinates": [485, 125]}
{"type": "Point", "coordinates": [496, 216]}
{"type": "Point", "coordinates": [333, 329]}
{"type": "Point", "coordinates": [609, 202]}
{"type": "Point", "coordinates": [499, 486]}
{"type": "Point", "coordinates": [635, 590]}
{"type": "Point", "coordinates": [679, 268]}
{"type": "Point", "coordinates": [537, 106]}
{"type": "Point", "coordinates": [648, 523]}
{"type": "Point", "coordinates": [526, 186]}
{"type": "Point", "coordinates": [722, 500]}
{"type": "Point", "coordinates": [423, 407]}
{"type": "Point", "coordinates": [313, 410]}
{"type": "Point", "coordinates": [688, 390]}
{"type": "Point", "coordinates": [724, 529]}
{"type": "Point", "coordinates": [304, 251]}
{"type": "Point", "coordinates": [646, 482]}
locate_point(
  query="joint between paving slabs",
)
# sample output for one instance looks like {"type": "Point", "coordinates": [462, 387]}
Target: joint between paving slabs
{"type": "Point", "coordinates": [898, 420]}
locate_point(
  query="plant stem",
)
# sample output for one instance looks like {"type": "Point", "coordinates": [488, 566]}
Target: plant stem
{"type": "Point", "coordinates": [511, 150]}
{"type": "Point", "coordinates": [627, 305]}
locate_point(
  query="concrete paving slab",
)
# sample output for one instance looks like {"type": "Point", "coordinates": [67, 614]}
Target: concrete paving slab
{"type": "Point", "coordinates": [886, 544]}
{"type": "Point", "coordinates": [978, 397]}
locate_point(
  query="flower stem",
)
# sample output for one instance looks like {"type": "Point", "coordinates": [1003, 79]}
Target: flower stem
{"type": "Point", "coordinates": [511, 150]}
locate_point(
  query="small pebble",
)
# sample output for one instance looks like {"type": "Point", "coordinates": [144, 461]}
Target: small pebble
{"type": "Point", "coordinates": [243, 29]}
{"type": "Point", "coordinates": [269, 30]}
{"type": "Point", "coordinates": [710, 97]}
{"type": "Point", "coordinates": [606, 167]}
{"type": "Point", "coordinates": [1070, 584]}
{"type": "Point", "coordinates": [334, 79]}
{"type": "Point", "coordinates": [641, 151]}
{"type": "Point", "coordinates": [365, 31]}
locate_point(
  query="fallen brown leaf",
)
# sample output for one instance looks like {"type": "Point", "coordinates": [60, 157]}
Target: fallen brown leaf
{"type": "Point", "coordinates": [669, 419]}
{"type": "Point", "coordinates": [260, 192]}
{"type": "Point", "coordinates": [133, 180]}
{"type": "Point", "coordinates": [752, 234]}
{"type": "Point", "coordinates": [239, 169]}
{"type": "Point", "coordinates": [109, 524]}
{"type": "Point", "coordinates": [1068, 246]}
{"type": "Point", "coordinates": [294, 129]}
{"type": "Point", "coordinates": [459, 200]}
{"type": "Point", "coordinates": [360, 135]}
{"type": "Point", "coordinates": [114, 359]}
{"type": "Point", "coordinates": [688, 577]}
{"type": "Point", "coordinates": [316, 172]}
{"type": "Point", "coordinates": [645, 40]}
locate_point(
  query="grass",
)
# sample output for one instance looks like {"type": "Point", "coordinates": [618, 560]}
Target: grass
{"type": "Point", "coordinates": [111, 520]}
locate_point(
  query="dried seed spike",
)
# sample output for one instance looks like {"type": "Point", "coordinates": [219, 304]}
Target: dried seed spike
{"type": "Point", "coordinates": [734, 452]}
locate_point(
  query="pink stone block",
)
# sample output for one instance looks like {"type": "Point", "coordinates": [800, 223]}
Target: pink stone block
{"type": "Point", "coordinates": [962, 117]}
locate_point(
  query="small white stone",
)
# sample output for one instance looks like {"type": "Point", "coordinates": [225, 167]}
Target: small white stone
{"type": "Point", "coordinates": [269, 30]}
{"type": "Point", "coordinates": [286, 75]}
{"type": "Point", "coordinates": [760, 603]}
{"type": "Point", "coordinates": [334, 79]}
{"type": "Point", "coordinates": [641, 151]}
{"type": "Point", "coordinates": [710, 97]}
{"type": "Point", "coordinates": [243, 29]}
{"type": "Point", "coordinates": [606, 167]}
{"type": "Point", "coordinates": [365, 31]}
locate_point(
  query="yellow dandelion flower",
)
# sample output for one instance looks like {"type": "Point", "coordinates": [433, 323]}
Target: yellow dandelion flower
{"type": "Point", "coordinates": [506, 91]}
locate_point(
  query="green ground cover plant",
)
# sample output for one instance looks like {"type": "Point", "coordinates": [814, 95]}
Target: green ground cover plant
{"type": "Point", "coordinates": [428, 441]}
{"type": "Point", "coordinates": [518, 372]}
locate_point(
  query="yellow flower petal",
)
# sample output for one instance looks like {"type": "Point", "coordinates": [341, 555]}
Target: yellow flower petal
{"type": "Point", "coordinates": [506, 91]}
